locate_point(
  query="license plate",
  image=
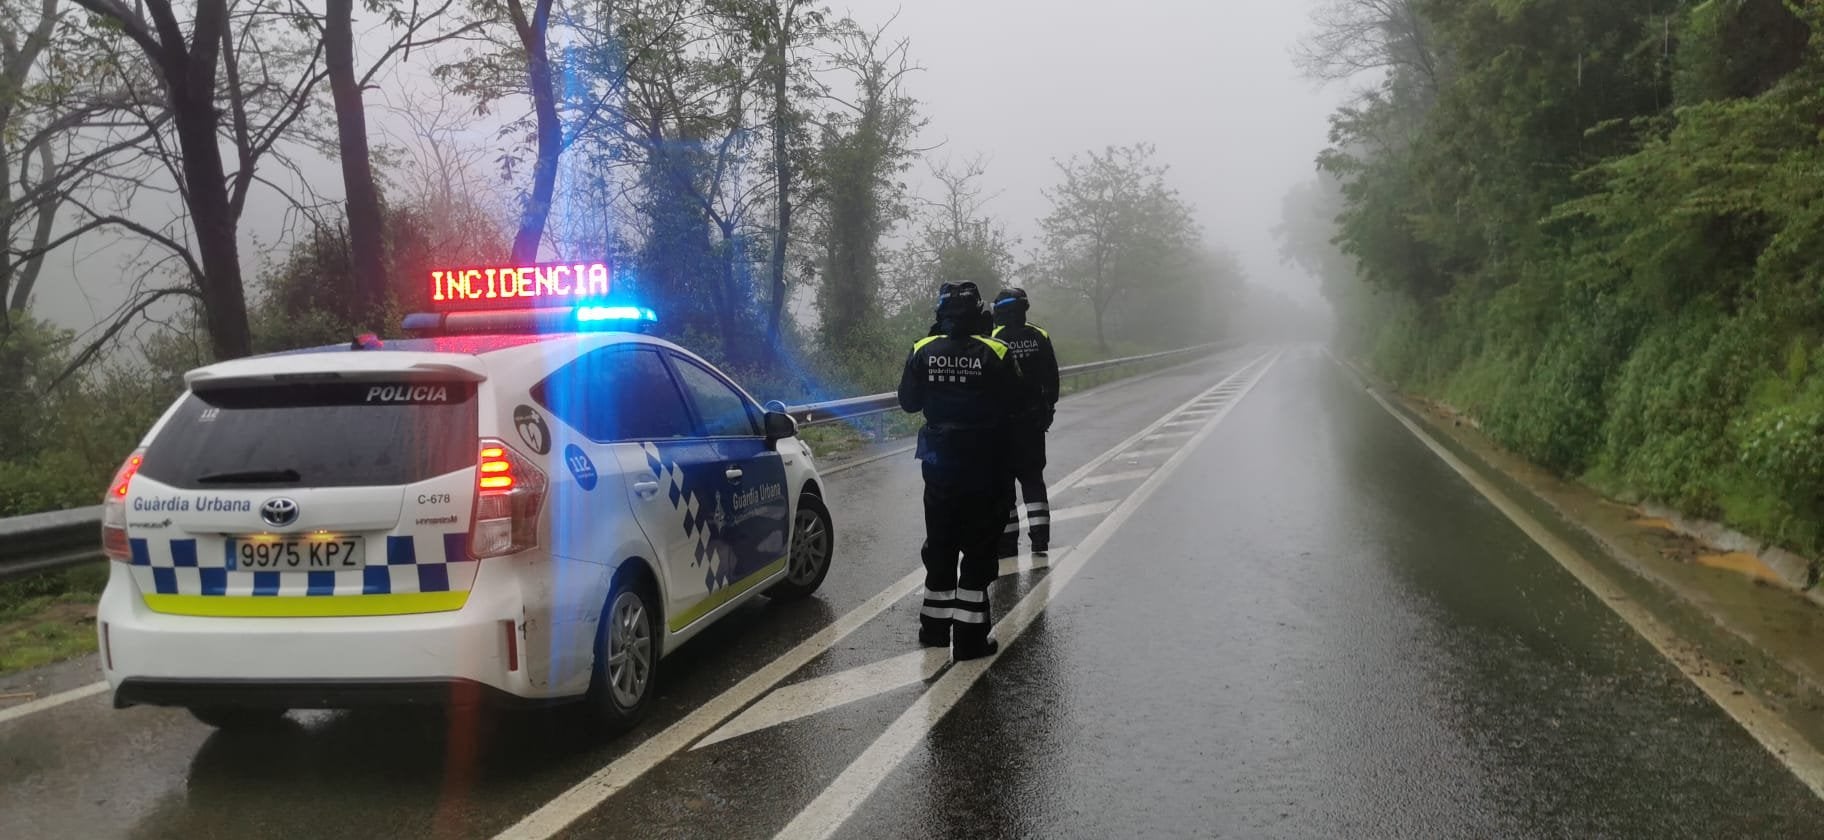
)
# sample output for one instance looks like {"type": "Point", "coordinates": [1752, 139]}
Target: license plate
{"type": "Point", "coordinates": [311, 553]}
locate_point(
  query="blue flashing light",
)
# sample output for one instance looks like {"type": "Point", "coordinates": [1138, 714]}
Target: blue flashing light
{"type": "Point", "coordinates": [597, 314]}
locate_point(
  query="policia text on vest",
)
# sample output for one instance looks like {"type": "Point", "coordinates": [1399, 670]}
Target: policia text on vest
{"type": "Point", "coordinates": [969, 387]}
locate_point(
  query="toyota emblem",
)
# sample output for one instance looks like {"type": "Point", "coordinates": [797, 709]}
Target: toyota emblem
{"type": "Point", "coordinates": [280, 512]}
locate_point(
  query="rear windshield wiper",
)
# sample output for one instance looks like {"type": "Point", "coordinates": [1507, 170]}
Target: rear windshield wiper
{"type": "Point", "coordinates": [251, 477]}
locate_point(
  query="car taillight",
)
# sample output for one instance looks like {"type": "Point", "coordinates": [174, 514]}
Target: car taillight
{"type": "Point", "coordinates": [114, 510]}
{"type": "Point", "coordinates": [509, 491]}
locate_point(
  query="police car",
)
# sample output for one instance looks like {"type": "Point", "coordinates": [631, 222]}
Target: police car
{"type": "Point", "coordinates": [528, 505]}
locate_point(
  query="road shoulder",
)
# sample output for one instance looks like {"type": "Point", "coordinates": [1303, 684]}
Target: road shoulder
{"type": "Point", "coordinates": [1766, 637]}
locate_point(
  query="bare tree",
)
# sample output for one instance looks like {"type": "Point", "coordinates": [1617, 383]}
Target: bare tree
{"type": "Point", "coordinates": [1114, 226]}
{"type": "Point", "coordinates": [1351, 37]}
{"type": "Point", "coordinates": [264, 101]}
{"type": "Point", "coordinates": [33, 218]}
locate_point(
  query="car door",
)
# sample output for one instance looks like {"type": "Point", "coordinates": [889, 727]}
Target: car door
{"type": "Point", "coordinates": [629, 405]}
{"type": "Point", "coordinates": [758, 507]}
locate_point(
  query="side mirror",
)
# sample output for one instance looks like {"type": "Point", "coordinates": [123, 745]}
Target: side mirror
{"type": "Point", "coordinates": [779, 424]}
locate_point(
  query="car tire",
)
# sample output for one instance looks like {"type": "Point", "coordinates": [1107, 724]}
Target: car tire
{"type": "Point", "coordinates": [234, 718]}
{"type": "Point", "coordinates": [813, 547]}
{"type": "Point", "coordinates": [627, 646]}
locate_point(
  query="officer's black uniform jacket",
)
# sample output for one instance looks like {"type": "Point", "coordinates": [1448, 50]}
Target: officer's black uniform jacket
{"type": "Point", "coordinates": [1030, 345]}
{"type": "Point", "coordinates": [968, 387]}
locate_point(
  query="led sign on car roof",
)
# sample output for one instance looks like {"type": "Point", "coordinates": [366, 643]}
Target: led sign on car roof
{"type": "Point", "coordinates": [538, 298]}
{"type": "Point", "coordinates": [520, 286]}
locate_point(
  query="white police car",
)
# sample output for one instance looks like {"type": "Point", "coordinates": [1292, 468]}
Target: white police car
{"type": "Point", "coordinates": [516, 508]}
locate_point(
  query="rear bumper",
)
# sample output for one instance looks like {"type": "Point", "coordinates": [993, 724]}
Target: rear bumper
{"type": "Point", "coordinates": [316, 694]}
{"type": "Point", "coordinates": [461, 656]}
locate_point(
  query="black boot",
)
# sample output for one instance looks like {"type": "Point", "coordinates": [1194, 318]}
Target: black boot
{"type": "Point", "coordinates": [966, 651]}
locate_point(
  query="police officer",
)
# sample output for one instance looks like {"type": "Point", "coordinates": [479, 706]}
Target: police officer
{"type": "Point", "coordinates": [1030, 345]}
{"type": "Point", "coordinates": [968, 387]}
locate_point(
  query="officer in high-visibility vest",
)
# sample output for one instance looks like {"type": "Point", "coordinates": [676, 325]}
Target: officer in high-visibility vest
{"type": "Point", "coordinates": [1030, 345]}
{"type": "Point", "coordinates": [968, 386]}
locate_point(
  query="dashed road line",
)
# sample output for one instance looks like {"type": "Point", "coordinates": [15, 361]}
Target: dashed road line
{"type": "Point", "coordinates": [826, 814]}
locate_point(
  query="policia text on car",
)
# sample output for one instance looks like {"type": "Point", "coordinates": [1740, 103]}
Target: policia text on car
{"type": "Point", "coordinates": [969, 387]}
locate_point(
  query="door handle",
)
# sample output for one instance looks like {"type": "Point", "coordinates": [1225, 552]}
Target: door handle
{"type": "Point", "coordinates": [646, 489]}
{"type": "Point", "coordinates": [734, 474]}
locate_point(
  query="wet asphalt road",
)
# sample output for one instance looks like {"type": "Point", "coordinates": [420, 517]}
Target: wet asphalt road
{"type": "Point", "coordinates": [1310, 628]}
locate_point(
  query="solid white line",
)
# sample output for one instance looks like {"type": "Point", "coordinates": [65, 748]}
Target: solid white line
{"type": "Point", "coordinates": [1762, 723]}
{"type": "Point", "coordinates": [53, 701]}
{"type": "Point", "coordinates": [826, 814]}
{"type": "Point", "coordinates": [1149, 453]}
{"type": "Point", "coordinates": [1114, 478]}
{"type": "Point", "coordinates": [821, 694]}
{"type": "Point", "coordinates": [1027, 562]}
{"type": "Point", "coordinates": [603, 783]}
{"type": "Point", "coordinates": [1081, 511]}
{"type": "Point", "coordinates": [584, 796]}
{"type": "Point", "coordinates": [1161, 437]}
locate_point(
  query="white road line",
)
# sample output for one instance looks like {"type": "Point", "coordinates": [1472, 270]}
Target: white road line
{"type": "Point", "coordinates": [1114, 478]}
{"type": "Point", "coordinates": [826, 814]}
{"type": "Point", "coordinates": [1148, 453]}
{"type": "Point", "coordinates": [1161, 437]}
{"type": "Point", "coordinates": [1762, 723]}
{"type": "Point", "coordinates": [53, 701]}
{"type": "Point", "coordinates": [1082, 511]}
{"type": "Point", "coordinates": [584, 796]}
{"type": "Point", "coordinates": [821, 694]}
{"type": "Point", "coordinates": [1026, 562]}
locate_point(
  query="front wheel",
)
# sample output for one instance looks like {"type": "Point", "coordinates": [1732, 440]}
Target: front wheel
{"type": "Point", "coordinates": [626, 656]}
{"type": "Point", "coordinates": [813, 545]}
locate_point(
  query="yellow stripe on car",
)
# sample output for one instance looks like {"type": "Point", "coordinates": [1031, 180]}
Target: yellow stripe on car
{"type": "Point", "coordinates": [724, 595]}
{"type": "Point", "coordinates": [295, 606]}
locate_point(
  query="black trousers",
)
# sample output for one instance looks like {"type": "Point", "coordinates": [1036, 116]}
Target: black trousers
{"type": "Point", "coordinates": [1027, 463]}
{"type": "Point", "coordinates": [964, 509]}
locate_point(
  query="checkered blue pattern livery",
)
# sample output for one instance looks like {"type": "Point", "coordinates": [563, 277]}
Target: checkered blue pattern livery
{"type": "Point", "coordinates": [423, 563]}
{"type": "Point", "coordinates": [702, 517]}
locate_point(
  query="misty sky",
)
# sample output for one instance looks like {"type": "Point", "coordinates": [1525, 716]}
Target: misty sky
{"type": "Point", "coordinates": [1209, 82]}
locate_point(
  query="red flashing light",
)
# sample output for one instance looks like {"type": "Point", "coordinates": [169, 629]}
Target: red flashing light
{"type": "Point", "coordinates": [519, 286]}
{"type": "Point", "coordinates": [124, 477]}
{"type": "Point", "coordinates": [114, 510]}
{"type": "Point", "coordinates": [509, 492]}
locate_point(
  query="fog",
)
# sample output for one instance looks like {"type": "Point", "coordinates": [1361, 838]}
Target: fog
{"type": "Point", "coordinates": [1210, 83]}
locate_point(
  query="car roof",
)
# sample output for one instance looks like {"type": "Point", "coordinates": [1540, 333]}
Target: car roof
{"type": "Point", "coordinates": [461, 352]}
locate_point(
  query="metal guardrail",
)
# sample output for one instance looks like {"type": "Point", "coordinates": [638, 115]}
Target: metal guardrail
{"type": "Point", "coordinates": [50, 540]}
{"type": "Point", "coordinates": [823, 413]}
{"type": "Point", "coordinates": [63, 538]}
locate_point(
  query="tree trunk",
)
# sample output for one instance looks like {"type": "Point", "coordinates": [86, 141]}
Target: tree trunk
{"type": "Point", "coordinates": [366, 231]}
{"type": "Point", "coordinates": [192, 85]}
{"type": "Point", "coordinates": [731, 344]}
{"type": "Point", "coordinates": [1101, 337]}
{"type": "Point", "coordinates": [782, 172]}
{"type": "Point", "coordinates": [25, 277]}
{"type": "Point", "coordinates": [550, 138]}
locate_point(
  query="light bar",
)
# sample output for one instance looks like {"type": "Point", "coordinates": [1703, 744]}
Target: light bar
{"type": "Point", "coordinates": [594, 314]}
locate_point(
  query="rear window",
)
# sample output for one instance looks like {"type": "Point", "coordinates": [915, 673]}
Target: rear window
{"type": "Point", "coordinates": [343, 434]}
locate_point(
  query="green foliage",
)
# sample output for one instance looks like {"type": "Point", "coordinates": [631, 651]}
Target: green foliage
{"type": "Point", "coordinates": [1604, 239]}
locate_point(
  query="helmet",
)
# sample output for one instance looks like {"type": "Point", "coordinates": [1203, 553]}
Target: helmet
{"type": "Point", "coordinates": [1010, 307]}
{"type": "Point", "coordinates": [959, 301]}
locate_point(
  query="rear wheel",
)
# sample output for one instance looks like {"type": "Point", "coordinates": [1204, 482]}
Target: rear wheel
{"type": "Point", "coordinates": [626, 654]}
{"type": "Point", "coordinates": [813, 545]}
{"type": "Point", "coordinates": [233, 718]}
